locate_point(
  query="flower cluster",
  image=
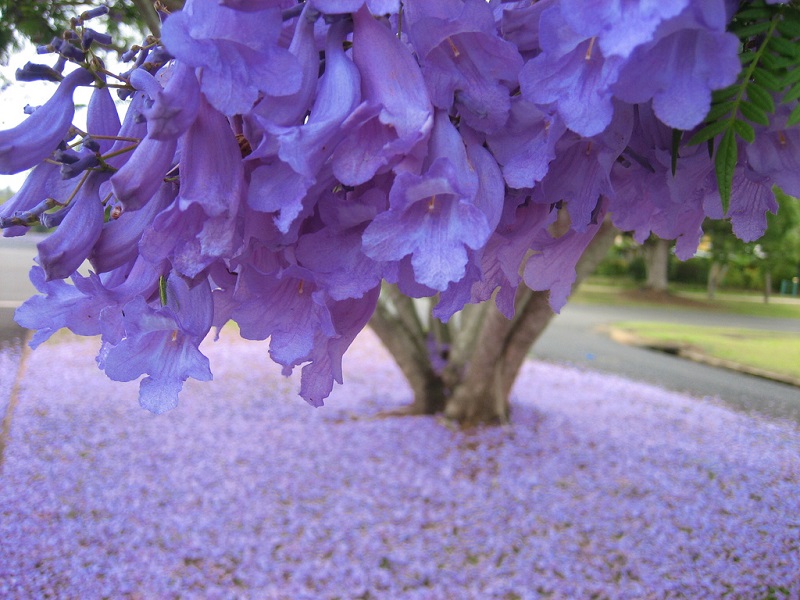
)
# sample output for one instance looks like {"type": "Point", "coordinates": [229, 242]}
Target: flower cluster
{"type": "Point", "coordinates": [277, 161]}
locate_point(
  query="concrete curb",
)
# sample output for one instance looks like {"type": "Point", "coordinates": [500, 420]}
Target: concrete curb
{"type": "Point", "coordinates": [622, 336]}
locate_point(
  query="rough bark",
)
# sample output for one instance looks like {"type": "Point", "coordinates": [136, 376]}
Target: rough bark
{"type": "Point", "coordinates": [485, 351]}
{"type": "Point", "coordinates": [397, 325]}
{"type": "Point", "coordinates": [482, 393]}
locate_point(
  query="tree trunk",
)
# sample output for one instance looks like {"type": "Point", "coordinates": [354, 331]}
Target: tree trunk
{"type": "Point", "coordinates": [481, 394]}
{"type": "Point", "coordinates": [656, 254]}
{"type": "Point", "coordinates": [480, 352]}
{"type": "Point", "coordinates": [397, 325]}
{"type": "Point", "coordinates": [716, 274]}
{"type": "Point", "coordinates": [767, 286]}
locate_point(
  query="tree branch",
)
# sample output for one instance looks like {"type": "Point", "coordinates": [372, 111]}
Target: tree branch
{"type": "Point", "coordinates": [408, 350]}
{"type": "Point", "coordinates": [405, 308]}
{"type": "Point", "coordinates": [534, 316]}
{"type": "Point", "coordinates": [149, 15]}
{"type": "Point", "coordinates": [465, 340]}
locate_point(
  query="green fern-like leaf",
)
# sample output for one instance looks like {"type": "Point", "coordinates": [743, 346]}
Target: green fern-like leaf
{"type": "Point", "coordinates": [770, 57]}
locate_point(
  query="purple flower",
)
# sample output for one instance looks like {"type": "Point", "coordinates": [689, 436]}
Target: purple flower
{"type": "Point", "coordinates": [290, 109]}
{"type": "Point", "coordinates": [171, 109]}
{"type": "Point", "coordinates": [138, 180]}
{"type": "Point", "coordinates": [349, 317]}
{"type": "Point", "coordinates": [339, 263]}
{"type": "Point", "coordinates": [397, 113]}
{"type": "Point", "coordinates": [649, 198]}
{"type": "Point", "coordinates": [189, 239]}
{"type": "Point", "coordinates": [751, 198]}
{"type": "Point", "coordinates": [432, 216]}
{"type": "Point", "coordinates": [118, 243]}
{"type": "Point", "coordinates": [102, 119]}
{"type": "Point", "coordinates": [302, 150]}
{"type": "Point", "coordinates": [519, 23]}
{"type": "Point", "coordinates": [64, 250]}
{"type": "Point", "coordinates": [33, 140]}
{"type": "Point", "coordinates": [523, 222]}
{"type": "Point", "coordinates": [571, 73]}
{"type": "Point", "coordinates": [580, 173]}
{"type": "Point", "coordinates": [211, 169]}
{"type": "Point", "coordinates": [464, 61]}
{"type": "Point", "coordinates": [237, 52]}
{"type": "Point", "coordinates": [775, 153]}
{"type": "Point", "coordinates": [678, 71]}
{"type": "Point", "coordinates": [43, 182]}
{"type": "Point", "coordinates": [527, 145]}
{"type": "Point", "coordinates": [619, 25]}
{"type": "Point", "coordinates": [553, 266]}
{"type": "Point", "coordinates": [252, 5]}
{"type": "Point", "coordinates": [376, 7]}
{"type": "Point", "coordinates": [285, 306]}
{"type": "Point", "coordinates": [162, 343]}
{"type": "Point", "coordinates": [63, 305]}
{"type": "Point", "coordinates": [80, 307]}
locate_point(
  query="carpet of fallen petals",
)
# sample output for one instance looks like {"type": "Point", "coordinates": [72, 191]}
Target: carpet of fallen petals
{"type": "Point", "coordinates": [601, 488]}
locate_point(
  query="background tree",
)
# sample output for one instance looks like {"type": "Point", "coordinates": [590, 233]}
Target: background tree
{"type": "Point", "coordinates": [39, 21]}
{"type": "Point", "coordinates": [779, 247]}
{"type": "Point", "coordinates": [723, 247]}
{"type": "Point", "coordinates": [776, 253]}
{"type": "Point", "coordinates": [656, 254]}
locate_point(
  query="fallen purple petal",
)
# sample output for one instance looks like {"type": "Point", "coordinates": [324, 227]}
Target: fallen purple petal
{"type": "Point", "coordinates": [601, 487]}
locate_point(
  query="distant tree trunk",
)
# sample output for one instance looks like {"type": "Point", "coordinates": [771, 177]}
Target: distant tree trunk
{"type": "Point", "coordinates": [767, 286]}
{"type": "Point", "coordinates": [656, 255]}
{"type": "Point", "coordinates": [716, 274]}
{"type": "Point", "coordinates": [466, 368]}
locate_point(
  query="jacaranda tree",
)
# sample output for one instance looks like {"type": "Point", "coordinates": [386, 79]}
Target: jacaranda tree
{"type": "Point", "coordinates": [304, 169]}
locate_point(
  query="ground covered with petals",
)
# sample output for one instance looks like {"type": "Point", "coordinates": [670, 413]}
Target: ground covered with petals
{"type": "Point", "coordinates": [601, 488]}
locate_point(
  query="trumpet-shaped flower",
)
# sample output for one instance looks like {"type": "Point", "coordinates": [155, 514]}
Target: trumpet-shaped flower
{"type": "Point", "coordinates": [162, 343]}
{"type": "Point", "coordinates": [464, 61]}
{"type": "Point", "coordinates": [236, 51]}
{"type": "Point", "coordinates": [397, 114]}
{"type": "Point", "coordinates": [678, 72]}
{"type": "Point", "coordinates": [572, 74]}
{"type": "Point", "coordinates": [432, 216]}
{"type": "Point", "coordinates": [33, 140]}
{"type": "Point", "coordinates": [619, 25]}
{"type": "Point", "coordinates": [282, 184]}
{"type": "Point", "coordinates": [63, 251]}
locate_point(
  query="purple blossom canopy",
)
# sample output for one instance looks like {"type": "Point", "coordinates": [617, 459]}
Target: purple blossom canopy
{"type": "Point", "coordinates": [278, 162]}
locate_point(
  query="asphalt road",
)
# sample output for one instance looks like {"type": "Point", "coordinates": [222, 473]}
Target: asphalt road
{"type": "Point", "coordinates": [573, 337]}
{"type": "Point", "coordinates": [16, 259]}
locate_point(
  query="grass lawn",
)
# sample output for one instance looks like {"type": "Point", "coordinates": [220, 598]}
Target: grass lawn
{"type": "Point", "coordinates": [622, 292]}
{"type": "Point", "coordinates": [774, 351]}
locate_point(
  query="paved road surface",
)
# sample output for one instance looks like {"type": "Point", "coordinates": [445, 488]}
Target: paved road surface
{"type": "Point", "coordinates": [572, 338]}
{"type": "Point", "coordinates": [16, 259]}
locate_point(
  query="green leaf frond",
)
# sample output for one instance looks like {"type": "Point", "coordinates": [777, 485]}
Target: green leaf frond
{"type": "Point", "coordinates": [770, 55]}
